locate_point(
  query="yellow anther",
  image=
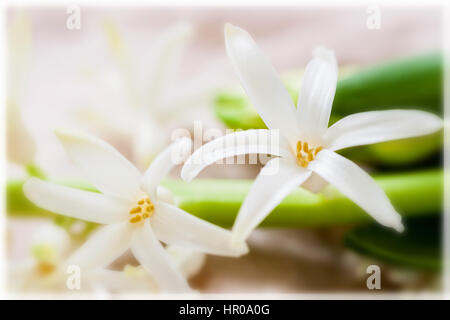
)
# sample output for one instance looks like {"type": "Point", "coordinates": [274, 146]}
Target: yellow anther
{"type": "Point", "coordinates": [142, 211]}
{"type": "Point", "coordinates": [305, 147]}
{"type": "Point", "coordinates": [136, 219]}
{"type": "Point", "coordinates": [135, 210]}
{"type": "Point", "coordinates": [45, 268]}
{"type": "Point", "coordinates": [305, 154]}
{"type": "Point", "coordinates": [299, 146]}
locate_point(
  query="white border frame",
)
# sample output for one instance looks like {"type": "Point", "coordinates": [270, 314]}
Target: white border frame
{"type": "Point", "coordinates": [445, 293]}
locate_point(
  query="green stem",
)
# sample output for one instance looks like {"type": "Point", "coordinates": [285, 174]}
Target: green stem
{"type": "Point", "coordinates": [218, 201]}
{"type": "Point", "coordinates": [34, 171]}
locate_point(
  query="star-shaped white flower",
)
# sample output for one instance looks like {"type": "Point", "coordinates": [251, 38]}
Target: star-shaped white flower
{"type": "Point", "coordinates": [306, 151]}
{"type": "Point", "coordinates": [46, 269]}
{"type": "Point", "coordinates": [154, 106]}
{"type": "Point", "coordinates": [130, 208]}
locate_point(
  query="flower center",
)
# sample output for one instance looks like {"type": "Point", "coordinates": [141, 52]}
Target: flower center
{"type": "Point", "coordinates": [143, 210]}
{"type": "Point", "coordinates": [305, 154]}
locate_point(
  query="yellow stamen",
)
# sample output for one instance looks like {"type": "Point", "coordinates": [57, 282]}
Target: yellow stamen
{"type": "Point", "coordinates": [135, 210]}
{"type": "Point", "coordinates": [136, 219]}
{"type": "Point", "coordinates": [299, 146]}
{"type": "Point", "coordinates": [318, 150]}
{"type": "Point", "coordinates": [142, 211]}
{"type": "Point", "coordinates": [306, 154]}
{"type": "Point", "coordinates": [305, 147]}
{"type": "Point", "coordinates": [45, 268]}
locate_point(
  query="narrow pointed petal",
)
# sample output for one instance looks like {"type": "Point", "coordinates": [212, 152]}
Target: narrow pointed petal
{"type": "Point", "coordinates": [154, 258]}
{"type": "Point", "coordinates": [177, 227]}
{"type": "Point", "coordinates": [103, 247]}
{"type": "Point", "coordinates": [21, 147]}
{"type": "Point", "coordinates": [188, 261]}
{"type": "Point", "coordinates": [260, 141]}
{"type": "Point", "coordinates": [261, 82]}
{"type": "Point", "coordinates": [167, 56]}
{"type": "Point", "coordinates": [378, 126]}
{"type": "Point", "coordinates": [275, 181]}
{"type": "Point", "coordinates": [71, 202]}
{"type": "Point", "coordinates": [163, 163]}
{"type": "Point", "coordinates": [147, 142]}
{"type": "Point", "coordinates": [317, 93]}
{"type": "Point", "coordinates": [123, 59]}
{"type": "Point", "coordinates": [357, 185]}
{"type": "Point", "coordinates": [101, 164]}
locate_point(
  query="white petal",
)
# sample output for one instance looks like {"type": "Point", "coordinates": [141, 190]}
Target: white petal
{"type": "Point", "coordinates": [260, 141]}
{"type": "Point", "coordinates": [167, 56]}
{"type": "Point", "coordinates": [357, 185]}
{"type": "Point", "coordinates": [119, 281]}
{"type": "Point", "coordinates": [75, 203]}
{"type": "Point", "coordinates": [154, 258]}
{"type": "Point", "coordinates": [163, 163]}
{"type": "Point", "coordinates": [316, 94]}
{"type": "Point", "coordinates": [177, 227]}
{"type": "Point", "coordinates": [189, 262]}
{"type": "Point", "coordinates": [147, 142]}
{"type": "Point", "coordinates": [378, 126]}
{"type": "Point", "coordinates": [124, 62]}
{"type": "Point", "coordinates": [21, 147]}
{"type": "Point", "coordinates": [103, 247]}
{"type": "Point", "coordinates": [275, 181]}
{"type": "Point", "coordinates": [51, 237]}
{"type": "Point", "coordinates": [164, 194]}
{"type": "Point", "coordinates": [101, 164]}
{"type": "Point", "coordinates": [261, 82]}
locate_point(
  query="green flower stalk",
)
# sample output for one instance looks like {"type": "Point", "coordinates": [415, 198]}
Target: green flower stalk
{"type": "Point", "coordinates": [416, 193]}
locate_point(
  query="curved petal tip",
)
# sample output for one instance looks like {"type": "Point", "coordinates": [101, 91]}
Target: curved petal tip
{"type": "Point", "coordinates": [231, 29]}
{"type": "Point", "coordinates": [324, 54]}
{"type": "Point", "coordinates": [239, 247]}
{"type": "Point", "coordinates": [398, 226]}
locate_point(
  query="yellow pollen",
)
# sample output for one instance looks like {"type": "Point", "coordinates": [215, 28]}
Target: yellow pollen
{"type": "Point", "coordinates": [135, 210]}
{"type": "Point", "coordinates": [305, 147]}
{"type": "Point", "coordinates": [45, 268]}
{"type": "Point", "coordinates": [142, 211]}
{"type": "Point", "coordinates": [305, 154]}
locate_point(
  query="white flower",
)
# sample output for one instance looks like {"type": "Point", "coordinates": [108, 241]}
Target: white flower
{"type": "Point", "coordinates": [306, 150]}
{"type": "Point", "coordinates": [21, 147]}
{"type": "Point", "coordinates": [45, 268]}
{"type": "Point", "coordinates": [154, 107]}
{"type": "Point", "coordinates": [129, 207]}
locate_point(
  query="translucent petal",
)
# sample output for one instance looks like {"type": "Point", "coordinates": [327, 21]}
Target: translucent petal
{"type": "Point", "coordinates": [357, 185]}
{"type": "Point", "coordinates": [378, 126]}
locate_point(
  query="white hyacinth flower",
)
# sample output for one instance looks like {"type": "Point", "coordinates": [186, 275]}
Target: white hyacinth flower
{"type": "Point", "coordinates": [146, 122]}
{"type": "Point", "coordinates": [45, 268]}
{"type": "Point", "coordinates": [306, 151]}
{"type": "Point", "coordinates": [129, 207]}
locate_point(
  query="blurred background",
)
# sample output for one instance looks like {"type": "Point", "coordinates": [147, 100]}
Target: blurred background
{"type": "Point", "coordinates": [76, 78]}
